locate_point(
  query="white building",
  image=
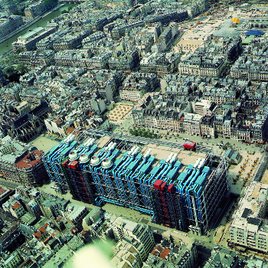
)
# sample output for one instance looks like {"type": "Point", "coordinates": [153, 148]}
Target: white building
{"type": "Point", "coordinates": [140, 236]}
{"type": "Point", "coordinates": [249, 228]}
{"type": "Point", "coordinates": [192, 123]}
{"type": "Point", "coordinates": [126, 255]}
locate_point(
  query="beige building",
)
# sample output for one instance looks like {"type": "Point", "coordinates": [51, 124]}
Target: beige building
{"type": "Point", "coordinates": [191, 124]}
{"type": "Point", "coordinates": [139, 236]}
{"type": "Point", "coordinates": [202, 107]}
{"type": "Point", "coordinates": [159, 121]}
{"type": "Point", "coordinates": [249, 74]}
{"type": "Point", "coordinates": [249, 228]}
{"type": "Point", "coordinates": [206, 127]}
{"type": "Point", "coordinates": [126, 256]}
{"type": "Point", "coordinates": [241, 134]}
{"type": "Point", "coordinates": [131, 95]}
{"type": "Point", "coordinates": [227, 129]}
{"type": "Point", "coordinates": [212, 69]}
{"type": "Point", "coordinates": [157, 114]}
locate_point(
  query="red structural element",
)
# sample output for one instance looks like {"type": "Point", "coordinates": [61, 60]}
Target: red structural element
{"type": "Point", "coordinates": [189, 145]}
{"type": "Point", "coordinates": [162, 186]}
{"type": "Point", "coordinates": [157, 184]}
{"type": "Point", "coordinates": [65, 163]}
{"type": "Point", "coordinates": [171, 188]}
{"type": "Point", "coordinates": [79, 186]}
{"type": "Point", "coordinates": [73, 164]}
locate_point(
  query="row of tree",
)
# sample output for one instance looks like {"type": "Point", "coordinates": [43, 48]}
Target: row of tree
{"type": "Point", "coordinates": [143, 132]}
{"type": "Point", "coordinates": [51, 3]}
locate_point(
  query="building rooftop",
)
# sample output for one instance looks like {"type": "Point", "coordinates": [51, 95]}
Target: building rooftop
{"type": "Point", "coordinates": [250, 211]}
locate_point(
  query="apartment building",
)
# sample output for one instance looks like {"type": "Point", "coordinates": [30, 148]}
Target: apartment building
{"type": "Point", "coordinates": [252, 64]}
{"type": "Point", "coordinates": [29, 40]}
{"type": "Point", "coordinates": [140, 236]}
{"type": "Point", "coordinates": [137, 84]}
{"type": "Point", "coordinates": [158, 112]}
{"type": "Point", "coordinates": [249, 227]}
{"type": "Point", "coordinates": [21, 164]}
{"type": "Point", "coordinates": [192, 124]}
{"type": "Point", "coordinates": [212, 59]}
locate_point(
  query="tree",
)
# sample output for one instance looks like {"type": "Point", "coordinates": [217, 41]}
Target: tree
{"type": "Point", "coordinates": [51, 3]}
{"type": "Point", "coordinates": [171, 238]}
{"type": "Point", "coordinates": [12, 67]}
